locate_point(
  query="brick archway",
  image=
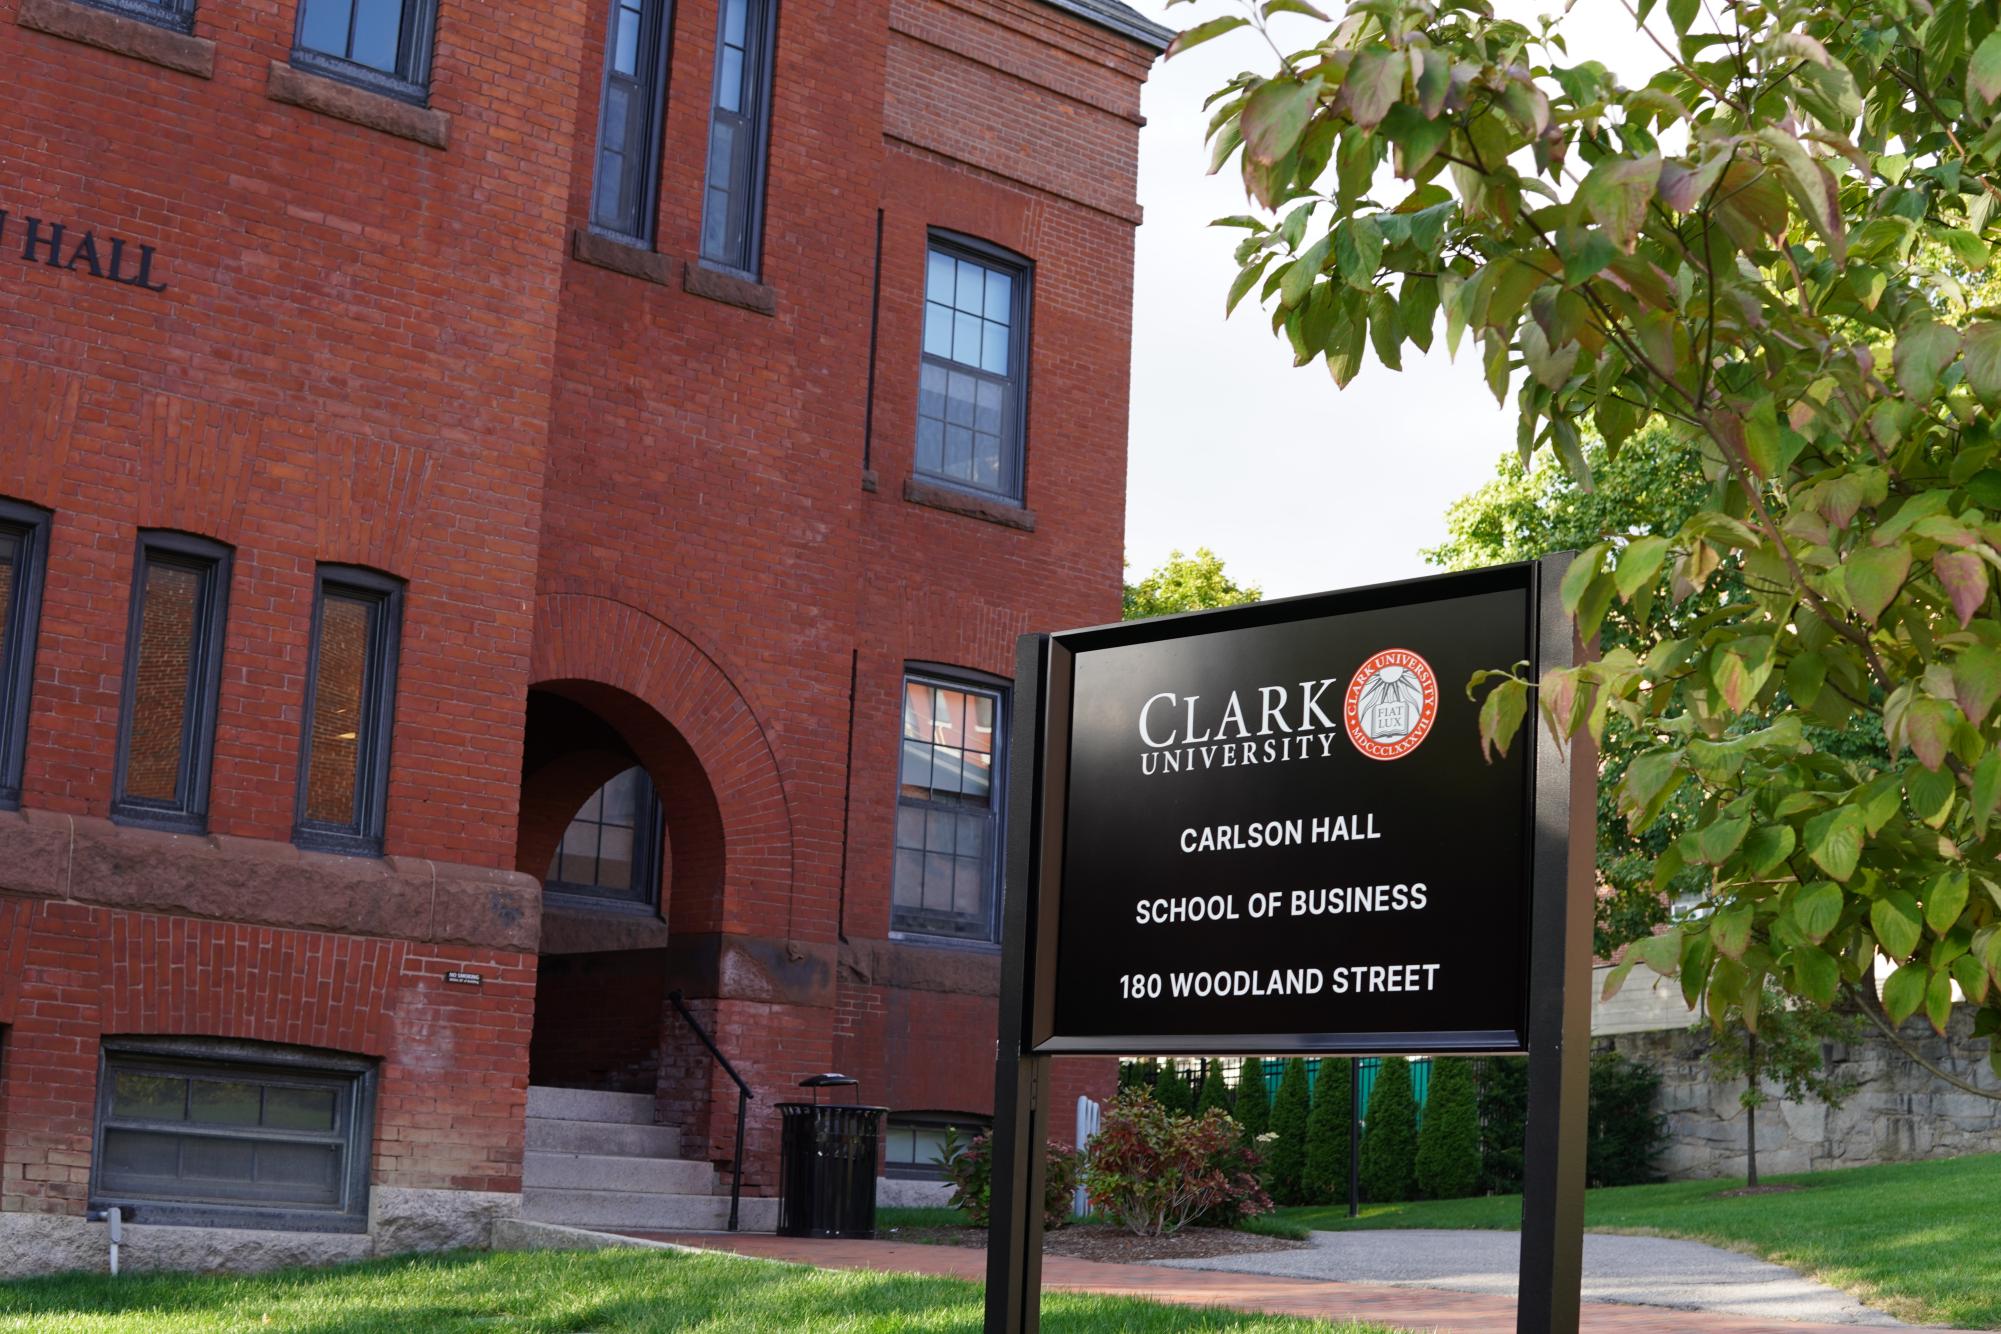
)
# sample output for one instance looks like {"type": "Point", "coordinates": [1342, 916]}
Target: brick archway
{"type": "Point", "coordinates": [730, 828]}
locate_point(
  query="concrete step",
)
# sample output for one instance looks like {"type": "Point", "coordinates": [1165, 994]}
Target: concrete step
{"type": "Point", "coordinates": [639, 1211]}
{"type": "Point", "coordinates": [592, 1171]}
{"type": "Point", "coordinates": [556, 1104]}
{"type": "Point", "coordinates": [603, 1137]}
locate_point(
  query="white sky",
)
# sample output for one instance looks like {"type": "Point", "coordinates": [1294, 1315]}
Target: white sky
{"type": "Point", "coordinates": [1297, 485]}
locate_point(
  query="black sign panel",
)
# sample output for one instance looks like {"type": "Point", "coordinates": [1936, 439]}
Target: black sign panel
{"type": "Point", "coordinates": [1271, 829]}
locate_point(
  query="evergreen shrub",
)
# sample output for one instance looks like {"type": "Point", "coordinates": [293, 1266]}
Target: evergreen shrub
{"type": "Point", "coordinates": [1448, 1143]}
{"type": "Point", "coordinates": [1389, 1135]}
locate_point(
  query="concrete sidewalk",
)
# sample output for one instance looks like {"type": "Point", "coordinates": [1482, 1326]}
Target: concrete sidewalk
{"type": "Point", "coordinates": [1411, 1308]}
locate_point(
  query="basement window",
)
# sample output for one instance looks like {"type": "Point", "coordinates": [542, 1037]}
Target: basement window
{"type": "Point", "coordinates": [203, 1132]}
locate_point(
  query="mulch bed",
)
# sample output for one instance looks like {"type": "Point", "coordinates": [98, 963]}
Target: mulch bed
{"type": "Point", "coordinates": [1757, 1190]}
{"type": "Point", "coordinates": [1113, 1245]}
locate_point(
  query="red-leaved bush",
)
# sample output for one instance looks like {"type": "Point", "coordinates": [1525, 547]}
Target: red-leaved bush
{"type": "Point", "coordinates": [1155, 1172]}
{"type": "Point", "coordinates": [970, 1170]}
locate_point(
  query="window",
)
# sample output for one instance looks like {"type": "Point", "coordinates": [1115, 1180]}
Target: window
{"type": "Point", "coordinates": [204, 1132]}
{"type": "Point", "coordinates": [611, 853]}
{"type": "Point", "coordinates": [739, 126]}
{"type": "Point", "coordinates": [635, 86]}
{"type": "Point", "coordinates": [948, 808]}
{"type": "Point", "coordinates": [914, 1143]}
{"type": "Point", "coordinates": [971, 399]}
{"type": "Point", "coordinates": [24, 540]}
{"type": "Point", "coordinates": [173, 674]}
{"type": "Point", "coordinates": [176, 14]}
{"type": "Point", "coordinates": [380, 44]}
{"type": "Point", "coordinates": [350, 701]}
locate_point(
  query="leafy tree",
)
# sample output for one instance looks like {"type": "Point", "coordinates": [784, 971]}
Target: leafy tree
{"type": "Point", "coordinates": [1215, 1093]}
{"type": "Point", "coordinates": [1171, 1091]}
{"type": "Point", "coordinates": [1766, 249]}
{"type": "Point", "coordinates": [1324, 1178]}
{"type": "Point", "coordinates": [1448, 1143]}
{"type": "Point", "coordinates": [1626, 1132]}
{"type": "Point", "coordinates": [1186, 583]}
{"type": "Point", "coordinates": [1389, 1135]}
{"type": "Point", "coordinates": [1253, 1110]}
{"type": "Point", "coordinates": [1291, 1107]}
{"type": "Point", "coordinates": [1504, 1123]}
{"type": "Point", "coordinates": [1785, 1048]}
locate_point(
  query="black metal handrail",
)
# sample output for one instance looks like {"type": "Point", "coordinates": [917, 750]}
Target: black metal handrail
{"type": "Point", "coordinates": [743, 1097]}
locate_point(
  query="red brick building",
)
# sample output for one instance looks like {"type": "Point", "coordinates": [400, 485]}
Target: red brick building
{"type": "Point", "coordinates": [513, 521]}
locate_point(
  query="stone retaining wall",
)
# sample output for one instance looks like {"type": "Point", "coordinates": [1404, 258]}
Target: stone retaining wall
{"type": "Point", "coordinates": [1897, 1113]}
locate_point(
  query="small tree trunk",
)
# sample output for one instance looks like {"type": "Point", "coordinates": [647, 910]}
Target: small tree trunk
{"type": "Point", "coordinates": [1751, 1111]}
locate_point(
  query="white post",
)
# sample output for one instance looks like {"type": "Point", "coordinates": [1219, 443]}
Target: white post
{"type": "Point", "coordinates": [1087, 1126]}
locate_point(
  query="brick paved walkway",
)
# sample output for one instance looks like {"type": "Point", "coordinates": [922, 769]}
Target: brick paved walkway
{"type": "Point", "coordinates": [1427, 1309]}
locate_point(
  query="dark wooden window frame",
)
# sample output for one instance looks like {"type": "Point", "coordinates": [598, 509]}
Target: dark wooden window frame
{"type": "Point", "coordinates": [1014, 488]}
{"type": "Point", "coordinates": [649, 839]}
{"type": "Point", "coordinates": [411, 82]}
{"type": "Point", "coordinates": [176, 15]}
{"type": "Point", "coordinates": [363, 836]}
{"type": "Point", "coordinates": [211, 561]}
{"type": "Point", "coordinates": [761, 34]}
{"type": "Point", "coordinates": [353, 1078]}
{"type": "Point", "coordinates": [655, 53]}
{"type": "Point", "coordinates": [28, 525]}
{"type": "Point", "coordinates": [960, 678]}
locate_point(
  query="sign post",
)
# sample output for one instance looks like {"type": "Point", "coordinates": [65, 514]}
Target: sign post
{"type": "Point", "coordinates": [1268, 830]}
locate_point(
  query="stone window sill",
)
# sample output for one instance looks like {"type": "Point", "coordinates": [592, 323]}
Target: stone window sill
{"type": "Point", "coordinates": [122, 33]}
{"type": "Point", "coordinates": [344, 101]}
{"type": "Point", "coordinates": [625, 257]}
{"type": "Point", "coordinates": [700, 280]}
{"type": "Point", "coordinates": [955, 501]}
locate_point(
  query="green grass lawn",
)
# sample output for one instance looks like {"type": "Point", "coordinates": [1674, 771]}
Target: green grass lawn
{"type": "Point", "coordinates": [598, 1291]}
{"type": "Point", "coordinates": [1920, 1240]}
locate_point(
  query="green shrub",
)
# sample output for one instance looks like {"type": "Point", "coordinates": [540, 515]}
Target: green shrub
{"type": "Point", "coordinates": [1215, 1093]}
{"type": "Point", "coordinates": [1253, 1107]}
{"type": "Point", "coordinates": [969, 1167]}
{"type": "Point", "coordinates": [1504, 1119]}
{"type": "Point", "coordinates": [1155, 1172]}
{"type": "Point", "coordinates": [1138, 1074]}
{"type": "Point", "coordinates": [1448, 1143]}
{"type": "Point", "coordinates": [1325, 1178]}
{"type": "Point", "coordinates": [1171, 1090]}
{"type": "Point", "coordinates": [1627, 1131]}
{"type": "Point", "coordinates": [1291, 1108]}
{"type": "Point", "coordinates": [1389, 1135]}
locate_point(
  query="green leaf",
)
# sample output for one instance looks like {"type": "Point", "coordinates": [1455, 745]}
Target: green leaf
{"type": "Point", "coordinates": [1897, 923]}
{"type": "Point", "coordinates": [1202, 32]}
{"type": "Point", "coordinates": [1945, 899]}
{"type": "Point", "coordinates": [1873, 576]}
{"type": "Point", "coordinates": [1982, 359]}
{"type": "Point", "coordinates": [1986, 790]}
{"type": "Point", "coordinates": [1416, 138]}
{"type": "Point", "coordinates": [1719, 838]}
{"type": "Point", "coordinates": [1983, 72]}
{"type": "Point", "coordinates": [1834, 841]}
{"type": "Point", "coordinates": [1417, 308]}
{"type": "Point", "coordinates": [1938, 1000]}
{"type": "Point", "coordinates": [1275, 116]}
{"type": "Point", "coordinates": [1681, 13]}
{"type": "Point", "coordinates": [1904, 992]}
{"type": "Point", "coordinates": [1731, 930]}
{"type": "Point", "coordinates": [1972, 978]}
{"type": "Point", "coordinates": [1358, 250]}
{"type": "Point", "coordinates": [1931, 793]}
{"type": "Point", "coordinates": [1639, 565]}
{"type": "Point", "coordinates": [1650, 780]}
{"type": "Point", "coordinates": [1740, 670]}
{"type": "Point", "coordinates": [1585, 254]}
{"type": "Point", "coordinates": [1375, 80]}
{"type": "Point", "coordinates": [1616, 194]}
{"type": "Point", "coordinates": [1976, 681]}
{"type": "Point", "coordinates": [1385, 330]}
{"type": "Point", "coordinates": [1299, 279]}
{"type": "Point", "coordinates": [1768, 847]}
{"type": "Point", "coordinates": [1816, 909]}
{"type": "Point", "coordinates": [1501, 715]}
{"type": "Point", "coordinates": [1816, 974]}
{"type": "Point", "coordinates": [1812, 185]}
{"type": "Point", "coordinates": [1928, 728]}
{"type": "Point", "coordinates": [1924, 350]}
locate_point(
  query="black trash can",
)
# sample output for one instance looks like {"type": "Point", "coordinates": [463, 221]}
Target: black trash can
{"type": "Point", "coordinates": [826, 1174]}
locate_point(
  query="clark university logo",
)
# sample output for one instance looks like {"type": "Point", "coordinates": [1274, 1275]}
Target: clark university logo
{"type": "Point", "coordinates": [1392, 702]}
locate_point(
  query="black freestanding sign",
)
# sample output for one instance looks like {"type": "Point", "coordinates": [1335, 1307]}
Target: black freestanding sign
{"type": "Point", "coordinates": [1270, 830]}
